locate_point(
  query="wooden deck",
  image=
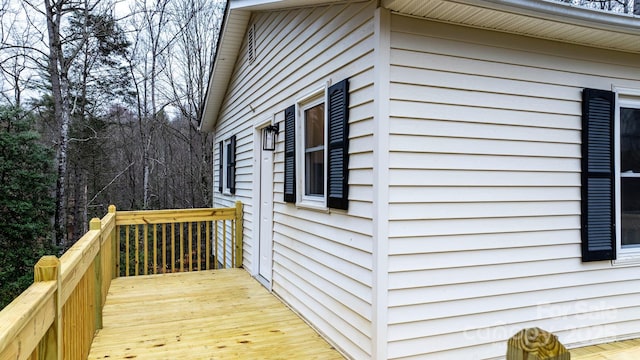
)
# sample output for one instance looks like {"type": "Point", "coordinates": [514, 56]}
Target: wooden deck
{"type": "Point", "coordinates": [621, 350]}
{"type": "Point", "coordinates": [220, 314]}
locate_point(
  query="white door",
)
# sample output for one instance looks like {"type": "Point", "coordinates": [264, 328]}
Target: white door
{"type": "Point", "coordinates": [266, 215]}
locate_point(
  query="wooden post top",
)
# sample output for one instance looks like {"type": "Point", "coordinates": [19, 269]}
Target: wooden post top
{"type": "Point", "coordinates": [95, 224]}
{"type": "Point", "coordinates": [536, 344]}
{"type": "Point", "coordinates": [46, 269]}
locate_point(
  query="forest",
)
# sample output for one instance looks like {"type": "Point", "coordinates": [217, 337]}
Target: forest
{"type": "Point", "coordinates": [99, 104]}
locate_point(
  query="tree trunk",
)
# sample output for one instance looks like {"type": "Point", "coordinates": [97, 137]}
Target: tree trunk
{"type": "Point", "coordinates": [636, 7]}
{"type": "Point", "coordinates": [59, 90]}
{"type": "Point", "coordinates": [145, 179]}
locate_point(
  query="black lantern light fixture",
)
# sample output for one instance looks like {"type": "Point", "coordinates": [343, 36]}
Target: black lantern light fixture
{"type": "Point", "coordinates": [269, 134]}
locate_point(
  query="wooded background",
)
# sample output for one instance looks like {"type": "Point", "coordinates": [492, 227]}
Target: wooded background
{"type": "Point", "coordinates": [618, 6]}
{"type": "Point", "coordinates": [108, 96]}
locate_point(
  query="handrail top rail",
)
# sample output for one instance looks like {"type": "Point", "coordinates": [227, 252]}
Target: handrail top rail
{"type": "Point", "coordinates": [75, 261]}
{"type": "Point", "coordinates": [138, 217]}
{"type": "Point", "coordinates": [24, 308]}
{"type": "Point", "coordinates": [120, 213]}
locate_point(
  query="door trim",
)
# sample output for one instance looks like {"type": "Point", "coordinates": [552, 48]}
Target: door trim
{"type": "Point", "coordinates": [257, 165]}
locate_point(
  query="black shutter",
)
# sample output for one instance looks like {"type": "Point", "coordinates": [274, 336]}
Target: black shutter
{"type": "Point", "coordinates": [598, 199]}
{"type": "Point", "coordinates": [290, 154]}
{"type": "Point", "coordinates": [338, 146]}
{"type": "Point", "coordinates": [220, 166]}
{"type": "Point", "coordinates": [231, 165]}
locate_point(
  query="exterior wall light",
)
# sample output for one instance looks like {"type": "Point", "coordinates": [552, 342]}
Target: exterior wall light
{"type": "Point", "coordinates": [269, 134]}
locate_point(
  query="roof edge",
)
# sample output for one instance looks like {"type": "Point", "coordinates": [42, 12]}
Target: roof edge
{"type": "Point", "coordinates": [205, 104]}
{"type": "Point", "coordinates": [238, 12]}
{"type": "Point", "coordinates": [563, 12]}
{"type": "Point", "coordinates": [223, 65]}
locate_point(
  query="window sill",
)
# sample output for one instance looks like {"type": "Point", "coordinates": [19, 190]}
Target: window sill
{"type": "Point", "coordinates": [626, 260]}
{"type": "Point", "coordinates": [312, 205]}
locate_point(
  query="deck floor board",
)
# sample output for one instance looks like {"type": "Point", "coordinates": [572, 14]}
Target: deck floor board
{"type": "Point", "coordinates": [221, 314]}
{"type": "Point", "coordinates": [620, 350]}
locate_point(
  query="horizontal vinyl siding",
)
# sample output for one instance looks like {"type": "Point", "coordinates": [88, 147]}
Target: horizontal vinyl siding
{"type": "Point", "coordinates": [243, 193]}
{"type": "Point", "coordinates": [484, 213]}
{"type": "Point", "coordinates": [322, 261]}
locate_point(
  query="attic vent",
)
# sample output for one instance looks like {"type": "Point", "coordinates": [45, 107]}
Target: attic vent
{"type": "Point", "coordinates": [251, 43]}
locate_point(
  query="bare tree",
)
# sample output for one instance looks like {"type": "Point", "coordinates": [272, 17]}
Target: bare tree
{"type": "Point", "coordinates": [141, 151]}
{"type": "Point", "coordinates": [63, 46]}
{"type": "Point", "coordinates": [16, 75]}
{"type": "Point", "coordinates": [146, 64]}
{"type": "Point", "coordinates": [59, 64]}
{"type": "Point", "coordinates": [196, 24]}
{"type": "Point", "coordinates": [621, 6]}
{"type": "Point", "coordinates": [98, 78]}
{"type": "Point", "coordinates": [18, 55]}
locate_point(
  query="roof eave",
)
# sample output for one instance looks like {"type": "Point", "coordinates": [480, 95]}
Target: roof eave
{"type": "Point", "coordinates": [234, 25]}
{"type": "Point", "coordinates": [238, 13]}
{"type": "Point", "coordinates": [564, 12]}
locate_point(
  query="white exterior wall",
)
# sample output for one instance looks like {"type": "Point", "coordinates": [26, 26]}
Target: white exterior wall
{"type": "Point", "coordinates": [484, 213]}
{"type": "Point", "coordinates": [322, 261]}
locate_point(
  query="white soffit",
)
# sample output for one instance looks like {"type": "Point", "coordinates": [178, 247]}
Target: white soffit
{"type": "Point", "coordinates": [542, 19]}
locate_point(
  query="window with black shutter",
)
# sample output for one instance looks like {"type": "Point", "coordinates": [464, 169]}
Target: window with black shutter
{"type": "Point", "coordinates": [227, 166]}
{"type": "Point", "coordinates": [317, 149]}
{"type": "Point", "coordinates": [231, 165]}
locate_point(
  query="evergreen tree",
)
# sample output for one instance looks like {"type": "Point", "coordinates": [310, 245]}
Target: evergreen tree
{"type": "Point", "coordinates": [26, 202]}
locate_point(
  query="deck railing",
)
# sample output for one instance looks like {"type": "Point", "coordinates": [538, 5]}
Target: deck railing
{"type": "Point", "coordinates": [58, 315]}
{"type": "Point", "coordinates": [162, 241]}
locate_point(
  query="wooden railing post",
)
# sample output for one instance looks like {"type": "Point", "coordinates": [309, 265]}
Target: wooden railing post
{"type": "Point", "coordinates": [115, 243]}
{"type": "Point", "coordinates": [536, 344]}
{"type": "Point", "coordinates": [95, 224]}
{"type": "Point", "coordinates": [50, 348]}
{"type": "Point", "coordinates": [239, 232]}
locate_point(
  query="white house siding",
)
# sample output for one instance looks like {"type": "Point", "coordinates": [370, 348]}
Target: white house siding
{"type": "Point", "coordinates": [322, 264]}
{"type": "Point", "coordinates": [244, 171]}
{"type": "Point", "coordinates": [484, 213]}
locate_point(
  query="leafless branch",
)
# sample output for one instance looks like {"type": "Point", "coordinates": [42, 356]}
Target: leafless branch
{"type": "Point", "coordinates": [109, 184]}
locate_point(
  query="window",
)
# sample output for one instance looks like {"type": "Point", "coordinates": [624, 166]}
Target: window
{"type": "Point", "coordinates": [312, 140]}
{"type": "Point", "coordinates": [316, 149]}
{"type": "Point", "coordinates": [227, 166]}
{"type": "Point", "coordinates": [628, 174]}
{"type": "Point", "coordinates": [611, 175]}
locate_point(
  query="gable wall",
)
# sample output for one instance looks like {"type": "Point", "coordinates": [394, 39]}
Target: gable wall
{"type": "Point", "coordinates": [322, 261]}
{"type": "Point", "coordinates": [485, 194]}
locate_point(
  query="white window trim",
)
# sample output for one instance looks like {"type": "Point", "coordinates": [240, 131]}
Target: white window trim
{"type": "Point", "coordinates": [624, 97]}
{"type": "Point", "coordinates": [315, 97]}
